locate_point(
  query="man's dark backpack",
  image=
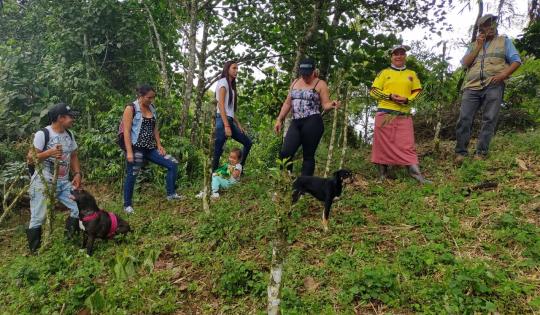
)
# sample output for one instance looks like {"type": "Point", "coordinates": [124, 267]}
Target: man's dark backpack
{"type": "Point", "coordinates": [30, 160]}
{"type": "Point", "coordinates": [120, 134]}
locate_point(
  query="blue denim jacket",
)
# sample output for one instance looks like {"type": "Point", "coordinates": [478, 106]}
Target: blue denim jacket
{"type": "Point", "coordinates": [137, 121]}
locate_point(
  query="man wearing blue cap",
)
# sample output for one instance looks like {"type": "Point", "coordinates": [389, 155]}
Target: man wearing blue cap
{"type": "Point", "coordinates": [490, 60]}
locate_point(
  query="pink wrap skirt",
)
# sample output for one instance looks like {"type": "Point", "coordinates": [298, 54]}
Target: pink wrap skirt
{"type": "Point", "coordinates": [393, 140]}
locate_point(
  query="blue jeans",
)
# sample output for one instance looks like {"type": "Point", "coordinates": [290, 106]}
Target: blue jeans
{"type": "Point", "coordinates": [221, 138]}
{"type": "Point", "coordinates": [38, 200]}
{"type": "Point", "coordinates": [133, 169]}
{"type": "Point", "coordinates": [490, 100]}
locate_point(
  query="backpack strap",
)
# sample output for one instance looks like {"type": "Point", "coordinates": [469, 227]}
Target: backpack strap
{"type": "Point", "coordinates": [134, 108]}
{"type": "Point", "coordinates": [47, 136]}
{"type": "Point", "coordinates": [70, 134]}
{"type": "Point", "coordinates": [132, 105]}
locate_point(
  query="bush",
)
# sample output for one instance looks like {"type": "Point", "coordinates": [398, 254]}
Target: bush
{"type": "Point", "coordinates": [423, 260]}
{"type": "Point", "coordinates": [371, 284]}
{"type": "Point", "coordinates": [240, 278]}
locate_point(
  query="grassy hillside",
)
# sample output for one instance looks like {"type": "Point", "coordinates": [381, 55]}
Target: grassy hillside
{"type": "Point", "coordinates": [396, 247]}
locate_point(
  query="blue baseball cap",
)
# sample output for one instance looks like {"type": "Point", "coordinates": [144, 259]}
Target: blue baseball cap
{"type": "Point", "coordinates": [306, 67]}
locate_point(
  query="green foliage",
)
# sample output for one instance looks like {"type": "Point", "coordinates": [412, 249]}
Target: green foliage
{"type": "Point", "coordinates": [425, 260]}
{"type": "Point", "coordinates": [472, 172]}
{"type": "Point", "coordinates": [83, 54]}
{"type": "Point", "coordinates": [510, 230]}
{"type": "Point", "coordinates": [124, 266]}
{"type": "Point", "coordinates": [26, 275]}
{"type": "Point", "coordinates": [522, 96]}
{"type": "Point", "coordinates": [528, 41]}
{"type": "Point", "coordinates": [396, 245]}
{"type": "Point", "coordinates": [13, 173]}
{"type": "Point", "coordinates": [96, 302]}
{"type": "Point", "coordinates": [239, 278]}
{"type": "Point", "coordinates": [473, 288]}
{"type": "Point", "coordinates": [371, 284]}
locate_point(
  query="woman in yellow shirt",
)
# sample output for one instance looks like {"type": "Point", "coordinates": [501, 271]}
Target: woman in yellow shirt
{"type": "Point", "coordinates": [393, 138]}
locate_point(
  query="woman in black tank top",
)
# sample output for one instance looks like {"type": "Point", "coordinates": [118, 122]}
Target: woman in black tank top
{"type": "Point", "coordinates": [307, 94]}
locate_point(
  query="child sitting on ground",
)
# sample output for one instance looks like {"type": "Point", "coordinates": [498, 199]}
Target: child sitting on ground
{"type": "Point", "coordinates": [227, 175]}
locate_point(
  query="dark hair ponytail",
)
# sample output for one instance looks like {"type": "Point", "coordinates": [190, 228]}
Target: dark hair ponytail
{"type": "Point", "coordinates": [230, 83]}
{"type": "Point", "coordinates": [143, 89]}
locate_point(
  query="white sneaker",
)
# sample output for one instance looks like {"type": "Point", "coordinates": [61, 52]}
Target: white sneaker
{"type": "Point", "coordinates": [200, 195]}
{"type": "Point", "coordinates": [129, 210]}
{"type": "Point", "coordinates": [175, 196]}
{"type": "Point", "coordinates": [214, 195]}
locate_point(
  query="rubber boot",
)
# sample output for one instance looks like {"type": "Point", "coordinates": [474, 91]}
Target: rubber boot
{"type": "Point", "coordinates": [414, 170]}
{"type": "Point", "coordinates": [72, 227]}
{"type": "Point", "coordinates": [383, 172]}
{"type": "Point", "coordinates": [34, 238]}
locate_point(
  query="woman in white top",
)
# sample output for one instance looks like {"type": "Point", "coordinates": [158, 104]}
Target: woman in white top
{"type": "Point", "coordinates": [227, 125]}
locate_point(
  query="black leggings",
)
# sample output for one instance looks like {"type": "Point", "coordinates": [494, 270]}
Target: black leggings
{"type": "Point", "coordinates": [306, 132]}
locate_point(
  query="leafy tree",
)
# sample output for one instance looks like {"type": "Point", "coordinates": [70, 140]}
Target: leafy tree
{"type": "Point", "coordinates": [528, 41]}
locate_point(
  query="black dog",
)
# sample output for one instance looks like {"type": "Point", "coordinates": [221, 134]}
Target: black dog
{"type": "Point", "coordinates": [96, 223]}
{"type": "Point", "coordinates": [324, 189]}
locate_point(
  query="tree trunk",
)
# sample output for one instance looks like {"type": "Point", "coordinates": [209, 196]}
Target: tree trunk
{"type": "Point", "coordinates": [345, 125]}
{"type": "Point", "coordinates": [436, 138]}
{"type": "Point", "coordinates": [163, 62]}
{"type": "Point", "coordinates": [87, 66]}
{"type": "Point", "coordinates": [475, 26]}
{"type": "Point", "coordinates": [534, 12]}
{"type": "Point", "coordinates": [192, 40]}
{"type": "Point", "coordinates": [338, 86]}
{"type": "Point", "coordinates": [208, 159]}
{"type": "Point", "coordinates": [276, 273]}
{"type": "Point", "coordinates": [500, 7]}
{"type": "Point", "coordinates": [11, 190]}
{"type": "Point", "coordinates": [331, 145]}
{"type": "Point", "coordinates": [366, 117]}
{"type": "Point", "coordinates": [154, 59]}
{"type": "Point", "coordinates": [196, 124]}
{"type": "Point", "coordinates": [283, 206]}
{"type": "Point", "coordinates": [302, 47]}
{"type": "Point", "coordinates": [50, 192]}
{"type": "Point", "coordinates": [326, 62]}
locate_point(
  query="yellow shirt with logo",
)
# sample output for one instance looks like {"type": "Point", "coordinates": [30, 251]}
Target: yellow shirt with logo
{"type": "Point", "coordinates": [401, 82]}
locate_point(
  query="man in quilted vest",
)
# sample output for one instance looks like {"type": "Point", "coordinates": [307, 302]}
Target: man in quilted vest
{"type": "Point", "coordinates": [489, 61]}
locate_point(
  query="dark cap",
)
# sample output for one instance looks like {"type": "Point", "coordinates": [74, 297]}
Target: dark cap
{"type": "Point", "coordinates": [306, 67]}
{"type": "Point", "coordinates": [398, 47]}
{"type": "Point", "coordinates": [61, 109]}
{"type": "Point", "coordinates": [486, 18]}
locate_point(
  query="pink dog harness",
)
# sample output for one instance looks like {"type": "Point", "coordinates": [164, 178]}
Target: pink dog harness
{"type": "Point", "coordinates": [112, 216]}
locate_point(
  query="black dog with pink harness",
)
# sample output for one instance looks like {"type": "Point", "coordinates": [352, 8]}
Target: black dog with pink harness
{"type": "Point", "coordinates": [96, 223]}
{"type": "Point", "coordinates": [112, 217]}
